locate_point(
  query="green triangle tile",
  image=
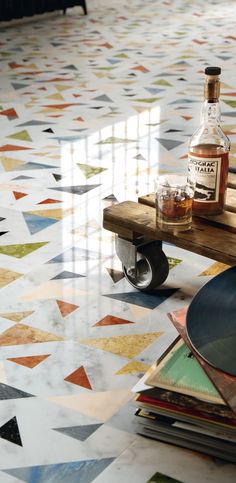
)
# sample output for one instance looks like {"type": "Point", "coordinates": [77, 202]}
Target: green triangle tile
{"type": "Point", "coordinates": [160, 478]}
{"type": "Point", "coordinates": [162, 82]}
{"type": "Point", "coordinates": [230, 103]}
{"type": "Point", "coordinates": [90, 171]}
{"type": "Point", "coordinates": [20, 250]}
{"type": "Point", "coordinates": [21, 135]}
{"type": "Point", "coordinates": [114, 140]}
{"type": "Point", "coordinates": [148, 100]}
{"type": "Point", "coordinates": [173, 262]}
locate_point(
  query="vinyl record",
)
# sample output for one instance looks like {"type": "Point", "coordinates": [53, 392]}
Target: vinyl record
{"type": "Point", "coordinates": [211, 322]}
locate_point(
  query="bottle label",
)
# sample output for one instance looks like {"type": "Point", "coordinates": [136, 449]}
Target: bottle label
{"type": "Point", "coordinates": [206, 173]}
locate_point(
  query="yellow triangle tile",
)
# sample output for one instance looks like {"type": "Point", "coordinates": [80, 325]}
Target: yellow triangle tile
{"type": "Point", "coordinates": [53, 289]}
{"type": "Point", "coordinates": [133, 367]}
{"type": "Point", "coordinates": [61, 88]}
{"type": "Point", "coordinates": [10, 163]}
{"type": "Point", "coordinates": [214, 269]}
{"type": "Point", "coordinates": [8, 276]}
{"type": "Point", "coordinates": [16, 316]}
{"type": "Point", "coordinates": [126, 345]}
{"type": "Point", "coordinates": [57, 214]}
{"type": "Point", "coordinates": [23, 334]}
{"type": "Point", "coordinates": [57, 96]}
{"type": "Point", "coordinates": [139, 109]}
{"type": "Point", "coordinates": [98, 405]}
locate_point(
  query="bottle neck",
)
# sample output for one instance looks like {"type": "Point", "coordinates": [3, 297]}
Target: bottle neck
{"type": "Point", "coordinates": [211, 113]}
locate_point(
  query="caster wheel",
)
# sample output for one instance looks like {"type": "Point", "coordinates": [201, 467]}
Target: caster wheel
{"type": "Point", "coordinates": [152, 268]}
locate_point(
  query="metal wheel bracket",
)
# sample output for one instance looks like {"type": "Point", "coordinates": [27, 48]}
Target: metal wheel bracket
{"type": "Point", "coordinates": [127, 252]}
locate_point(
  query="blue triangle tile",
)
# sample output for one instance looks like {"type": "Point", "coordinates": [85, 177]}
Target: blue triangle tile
{"type": "Point", "coordinates": [79, 432]}
{"type": "Point", "coordinates": [22, 177]}
{"type": "Point", "coordinates": [9, 392]}
{"type": "Point", "coordinates": [76, 190]}
{"type": "Point", "coordinates": [73, 472]}
{"type": "Point", "coordinates": [153, 90]}
{"type": "Point", "coordinates": [169, 143]}
{"type": "Point", "coordinates": [34, 123]}
{"type": "Point", "coordinates": [66, 274]}
{"type": "Point", "coordinates": [31, 165]}
{"type": "Point", "coordinates": [75, 253]}
{"type": "Point", "coordinates": [10, 432]}
{"type": "Point", "coordinates": [149, 300]}
{"type": "Point", "coordinates": [37, 223]}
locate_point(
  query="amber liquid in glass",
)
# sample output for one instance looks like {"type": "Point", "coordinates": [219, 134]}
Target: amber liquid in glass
{"type": "Point", "coordinates": [206, 151]}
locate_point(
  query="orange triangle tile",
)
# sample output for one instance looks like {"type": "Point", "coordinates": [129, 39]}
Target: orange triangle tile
{"type": "Point", "coordinates": [141, 68]}
{"type": "Point", "coordinates": [60, 106]}
{"type": "Point", "coordinates": [111, 320]}
{"type": "Point", "coordinates": [79, 119]}
{"type": "Point", "coordinates": [79, 377]}
{"type": "Point", "coordinates": [29, 361]}
{"type": "Point", "coordinates": [12, 147]}
{"type": "Point", "coordinates": [9, 112]}
{"type": "Point", "coordinates": [19, 195]}
{"type": "Point", "coordinates": [66, 308]}
{"type": "Point", "coordinates": [76, 95]}
{"type": "Point", "coordinates": [24, 334]}
{"type": "Point", "coordinates": [184, 156]}
{"type": "Point", "coordinates": [14, 65]}
{"type": "Point", "coordinates": [47, 201]}
{"type": "Point", "coordinates": [187, 118]}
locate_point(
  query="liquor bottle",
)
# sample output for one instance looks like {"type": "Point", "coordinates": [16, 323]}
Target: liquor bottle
{"type": "Point", "coordinates": [208, 157]}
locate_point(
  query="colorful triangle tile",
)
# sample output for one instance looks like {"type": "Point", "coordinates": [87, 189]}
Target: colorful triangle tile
{"type": "Point", "coordinates": [66, 308]}
{"type": "Point", "coordinates": [149, 300]}
{"type": "Point", "coordinates": [37, 223]}
{"type": "Point", "coordinates": [8, 276]}
{"type": "Point", "coordinates": [9, 392]}
{"type": "Point", "coordinates": [133, 367]}
{"type": "Point", "coordinates": [74, 471]}
{"type": "Point", "coordinates": [48, 201]}
{"type": "Point", "coordinates": [111, 320]}
{"type": "Point", "coordinates": [20, 250]}
{"type": "Point", "coordinates": [10, 432]}
{"type": "Point", "coordinates": [24, 334]}
{"type": "Point", "coordinates": [76, 190]}
{"type": "Point", "coordinates": [90, 171]}
{"type": "Point", "coordinates": [65, 275]}
{"type": "Point", "coordinates": [29, 361]}
{"type": "Point", "coordinates": [79, 377]}
{"type": "Point", "coordinates": [18, 195]}
{"type": "Point", "coordinates": [21, 135]}
{"type": "Point", "coordinates": [16, 316]}
{"type": "Point", "coordinates": [125, 346]}
{"type": "Point", "coordinates": [81, 433]}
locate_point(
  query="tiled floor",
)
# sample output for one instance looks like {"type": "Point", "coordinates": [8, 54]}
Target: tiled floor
{"type": "Point", "coordinates": [91, 110]}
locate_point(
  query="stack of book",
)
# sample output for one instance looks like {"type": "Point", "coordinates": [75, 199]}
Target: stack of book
{"type": "Point", "coordinates": [184, 401]}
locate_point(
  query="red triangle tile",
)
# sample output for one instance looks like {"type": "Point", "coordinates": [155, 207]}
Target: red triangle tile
{"type": "Point", "coordinates": [111, 320]}
{"type": "Point", "coordinates": [9, 112]}
{"type": "Point", "coordinates": [29, 361]}
{"type": "Point", "coordinates": [19, 195]}
{"type": "Point", "coordinates": [79, 377]}
{"type": "Point", "coordinates": [66, 308]}
{"type": "Point", "coordinates": [47, 201]}
{"type": "Point", "coordinates": [12, 147]}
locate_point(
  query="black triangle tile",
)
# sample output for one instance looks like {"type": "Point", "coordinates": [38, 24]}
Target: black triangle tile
{"type": "Point", "coordinates": [10, 432]}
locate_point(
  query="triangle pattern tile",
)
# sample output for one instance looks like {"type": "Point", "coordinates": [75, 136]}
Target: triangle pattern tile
{"type": "Point", "coordinates": [149, 300]}
{"type": "Point", "coordinates": [10, 164]}
{"type": "Point", "coordinates": [37, 223]}
{"type": "Point", "coordinates": [161, 478]}
{"type": "Point", "coordinates": [30, 165]}
{"type": "Point", "coordinates": [20, 250]}
{"type": "Point", "coordinates": [111, 320]}
{"type": "Point", "coordinates": [90, 171]}
{"type": "Point", "coordinates": [66, 308]}
{"type": "Point", "coordinates": [11, 114]}
{"type": "Point", "coordinates": [65, 275]}
{"type": "Point", "coordinates": [10, 432]}
{"type": "Point", "coordinates": [214, 269]}
{"type": "Point", "coordinates": [29, 361]}
{"type": "Point", "coordinates": [9, 392]}
{"type": "Point", "coordinates": [21, 135]}
{"type": "Point", "coordinates": [16, 316]}
{"type": "Point", "coordinates": [169, 143]}
{"type": "Point", "coordinates": [173, 262]}
{"type": "Point", "coordinates": [97, 405]}
{"type": "Point", "coordinates": [133, 367]}
{"type": "Point", "coordinates": [12, 147]}
{"type": "Point", "coordinates": [116, 275]}
{"type": "Point", "coordinates": [18, 195]}
{"type": "Point", "coordinates": [79, 377]}
{"type": "Point", "coordinates": [76, 190]}
{"type": "Point", "coordinates": [75, 253]}
{"type": "Point", "coordinates": [123, 345]}
{"type": "Point", "coordinates": [73, 472]}
{"type": "Point", "coordinates": [79, 432]}
{"type": "Point", "coordinates": [48, 201]}
{"type": "Point", "coordinates": [24, 334]}
{"type": "Point", "coordinates": [8, 276]}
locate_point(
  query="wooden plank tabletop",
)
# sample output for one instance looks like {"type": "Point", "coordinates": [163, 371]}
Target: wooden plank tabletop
{"type": "Point", "coordinates": [138, 218]}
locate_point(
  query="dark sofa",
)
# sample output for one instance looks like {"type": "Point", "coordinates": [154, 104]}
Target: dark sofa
{"type": "Point", "coordinates": [10, 9]}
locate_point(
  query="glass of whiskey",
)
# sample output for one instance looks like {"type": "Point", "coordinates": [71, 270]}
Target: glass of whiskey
{"type": "Point", "coordinates": [174, 201]}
